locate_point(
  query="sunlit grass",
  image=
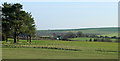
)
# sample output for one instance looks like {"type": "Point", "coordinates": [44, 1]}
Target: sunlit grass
{"type": "Point", "coordinates": [57, 49]}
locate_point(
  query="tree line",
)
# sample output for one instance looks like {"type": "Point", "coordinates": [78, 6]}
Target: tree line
{"type": "Point", "coordinates": [16, 22]}
{"type": "Point", "coordinates": [78, 34]}
{"type": "Point", "coordinates": [67, 35]}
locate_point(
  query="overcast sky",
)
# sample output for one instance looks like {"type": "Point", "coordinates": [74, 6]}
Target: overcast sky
{"type": "Point", "coordinates": [67, 15]}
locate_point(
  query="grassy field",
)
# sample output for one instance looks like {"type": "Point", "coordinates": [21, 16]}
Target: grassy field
{"type": "Point", "coordinates": [109, 31]}
{"type": "Point", "coordinates": [87, 39]}
{"type": "Point", "coordinates": [34, 53]}
{"type": "Point", "coordinates": [56, 49]}
{"type": "Point", "coordinates": [110, 34]}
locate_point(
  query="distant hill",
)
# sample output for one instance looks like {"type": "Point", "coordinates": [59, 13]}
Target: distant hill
{"type": "Point", "coordinates": [100, 31]}
{"type": "Point", "coordinates": [114, 29]}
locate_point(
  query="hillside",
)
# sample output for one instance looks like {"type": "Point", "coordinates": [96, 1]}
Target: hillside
{"type": "Point", "coordinates": [99, 31]}
{"type": "Point", "coordinates": [114, 29]}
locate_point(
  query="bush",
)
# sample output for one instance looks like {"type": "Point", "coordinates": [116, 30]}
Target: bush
{"type": "Point", "coordinates": [98, 40]}
{"type": "Point", "coordinates": [102, 40]}
{"type": "Point", "coordinates": [90, 40]}
{"type": "Point", "coordinates": [101, 37]}
{"type": "Point", "coordinates": [117, 40]}
{"type": "Point", "coordinates": [79, 34]}
{"type": "Point", "coordinates": [107, 40]}
{"type": "Point", "coordinates": [64, 37]}
{"type": "Point", "coordinates": [69, 35]}
{"type": "Point", "coordinates": [86, 35]}
{"type": "Point", "coordinates": [107, 37]}
{"type": "Point", "coordinates": [118, 37]}
{"type": "Point", "coordinates": [114, 37]}
{"type": "Point", "coordinates": [95, 40]}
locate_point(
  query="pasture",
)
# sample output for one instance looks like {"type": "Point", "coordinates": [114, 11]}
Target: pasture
{"type": "Point", "coordinates": [105, 31]}
{"type": "Point", "coordinates": [87, 39]}
{"type": "Point", "coordinates": [56, 49]}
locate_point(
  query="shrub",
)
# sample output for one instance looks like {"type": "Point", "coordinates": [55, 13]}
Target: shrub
{"type": "Point", "coordinates": [106, 37]}
{"type": "Point", "coordinates": [95, 40]}
{"type": "Point", "coordinates": [101, 36]}
{"type": "Point", "coordinates": [79, 34]}
{"type": "Point", "coordinates": [69, 35]}
{"type": "Point", "coordinates": [117, 40]}
{"type": "Point", "coordinates": [114, 37]}
{"type": "Point", "coordinates": [90, 40]}
{"type": "Point", "coordinates": [102, 40]}
{"type": "Point", "coordinates": [107, 40]}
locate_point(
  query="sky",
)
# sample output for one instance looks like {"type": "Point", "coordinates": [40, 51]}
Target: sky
{"type": "Point", "coordinates": [59, 0]}
{"type": "Point", "coordinates": [71, 14]}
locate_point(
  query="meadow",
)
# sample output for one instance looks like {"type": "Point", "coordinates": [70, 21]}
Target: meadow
{"type": "Point", "coordinates": [88, 38]}
{"type": "Point", "coordinates": [105, 31]}
{"type": "Point", "coordinates": [57, 49]}
{"type": "Point", "coordinates": [78, 48]}
{"type": "Point", "coordinates": [18, 26]}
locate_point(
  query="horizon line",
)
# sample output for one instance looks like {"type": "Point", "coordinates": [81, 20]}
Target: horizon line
{"type": "Point", "coordinates": [78, 28]}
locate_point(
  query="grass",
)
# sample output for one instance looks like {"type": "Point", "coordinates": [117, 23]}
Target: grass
{"type": "Point", "coordinates": [81, 39]}
{"type": "Point", "coordinates": [56, 49]}
{"type": "Point", "coordinates": [33, 53]}
{"type": "Point", "coordinates": [87, 39]}
{"type": "Point", "coordinates": [110, 34]}
{"type": "Point", "coordinates": [99, 31]}
{"type": "Point", "coordinates": [87, 50]}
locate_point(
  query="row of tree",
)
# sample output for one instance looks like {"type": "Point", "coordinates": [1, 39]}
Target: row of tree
{"type": "Point", "coordinates": [16, 22]}
{"type": "Point", "coordinates": [100, 40]}
{"type": "Point", "coordinates": [65, 36]}
{"type": "Point", "coordinates": [68, 35]}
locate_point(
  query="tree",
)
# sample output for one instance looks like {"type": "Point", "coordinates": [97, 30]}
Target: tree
{"type": "Point", "coordinates": [70, 35]}
{"type": "Point", "coordinates": [6, 10]}
{"type": "Point", "coordinates": [107, 40]}
{"type": "Point", "coordinates": [101, 36]}
{"type": "Point", "coordinates": [79, 34]}
{"type": "Point", "coordinates": [117, 40]}
{"type": "Point", "coordinates": [95, 40]}
{"type": "Point", "coordinates": [102, 40]}
{"type": "Point", "coordinates": [55, 35]}
{"type": "Point", "coordinates": [29, 26]}
{"type": "Point", "coordinates": [16, 21]}
{"type": "Point", "coordinates": [90, 40]}
{"type": "Point", "coordinates": [106, 37]}
{"type": "Point", "coordinates": [16, 18]}
{"type": "Point", "coordinates": [114, 37]}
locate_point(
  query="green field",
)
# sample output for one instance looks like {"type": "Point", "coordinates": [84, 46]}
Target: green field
{"type": "Point", "coordinates": [56, 49]}
{"type": "Point", "coordinates": [110, 34]}
{"type": "Point", "coordinates": [105, 31]}
{"type": "Point", "coordinates": [87, 39]}
{"type": "Point", "coordinates": [21, 39]}
{"type": "Point", "coordinates": [34, 53]}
